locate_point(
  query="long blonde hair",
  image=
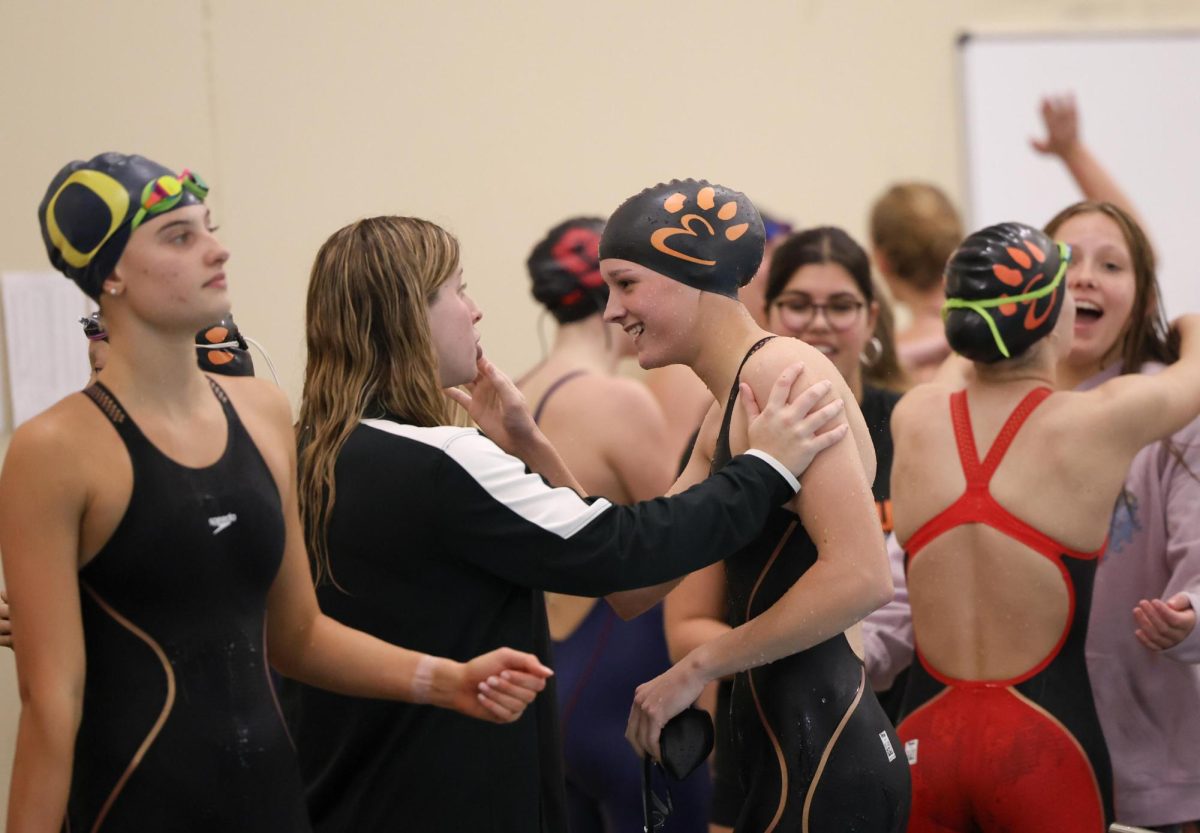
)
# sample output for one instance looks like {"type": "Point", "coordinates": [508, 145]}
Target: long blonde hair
{"type": "Point", "coordinates": [370, 351]}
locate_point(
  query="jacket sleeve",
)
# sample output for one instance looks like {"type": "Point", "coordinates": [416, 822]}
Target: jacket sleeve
{"type": "Point", "coordinates": [1181, 496]}
{"type": "Point", "coordinates": [511, 523]}
{"type": "Point", "coordinates": [888, 633]}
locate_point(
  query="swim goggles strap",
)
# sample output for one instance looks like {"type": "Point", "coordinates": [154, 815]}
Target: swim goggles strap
{"type": "Point", "coordinates": [982, 306]}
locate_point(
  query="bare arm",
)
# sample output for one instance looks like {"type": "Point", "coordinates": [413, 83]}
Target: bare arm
{"type": "Point", "coordinates": [42, 502]}
{"type": "Point", "coordinates": [850, 578]}
{"type": "Point", "coordinates": [640, 458]}
{"type": "Point", "coordinates": [694, 612]}
{"type": "Point", "coordinates": [1061, 118]}
{"type": "Point", "coordinates": [1141, 408]}
{"type": "Point", "coordinates": [306, 645]}
{"type": "Point", "coordinates": [654, 481]}
{"type": "Point", "coordinates": [789, 429]}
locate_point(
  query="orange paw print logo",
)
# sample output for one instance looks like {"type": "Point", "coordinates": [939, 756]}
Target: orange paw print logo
{"type": "Point", "coordinates": [1021, 277]}
{"type": "Point", "coordinates": [696, 225]}
{"type": "Point", "coordinates": [218, 335]}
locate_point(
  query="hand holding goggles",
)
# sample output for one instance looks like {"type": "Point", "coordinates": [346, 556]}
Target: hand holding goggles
{"type": "Point", "coordinates": [164, 193]}
{"type": "Point", "coordinates": [982, 307]}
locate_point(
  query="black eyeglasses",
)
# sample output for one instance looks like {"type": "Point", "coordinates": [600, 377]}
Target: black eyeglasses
{"type": "Point", "coordinates": [797, 313]}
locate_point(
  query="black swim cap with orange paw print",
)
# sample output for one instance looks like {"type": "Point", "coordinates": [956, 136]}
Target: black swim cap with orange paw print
{"type": "Point", "coordinates": [707, 236]}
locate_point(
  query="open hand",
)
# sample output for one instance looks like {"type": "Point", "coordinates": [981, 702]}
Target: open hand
{"type": "Point", "coordinates": [498, 685]}
{"type": "Point", "coordinates": [1162, 625]}
{"type": "Point", "coordinates": [1061, 118]}
{"type": "Point", "coordinates": [497, 406]}
{"type": "Point", "coordinates": [786, 429]}
{"type": "Point", "coordinates": [657, 701]}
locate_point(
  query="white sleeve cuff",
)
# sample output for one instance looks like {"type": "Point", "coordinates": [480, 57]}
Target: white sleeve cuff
{"type": "Point", "coordinates": [778, 466]}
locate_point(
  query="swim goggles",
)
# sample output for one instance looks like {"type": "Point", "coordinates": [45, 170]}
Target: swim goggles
{"type": "Point", "coordinates": [165, 192]}
{"type": "Point", "coordinates": [982, 307]}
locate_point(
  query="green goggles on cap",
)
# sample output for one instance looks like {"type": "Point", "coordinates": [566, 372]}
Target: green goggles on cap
{"type": "Point", "coordinates": [164, 193]}
{"type": "Point", "coordinates": [982, 306]}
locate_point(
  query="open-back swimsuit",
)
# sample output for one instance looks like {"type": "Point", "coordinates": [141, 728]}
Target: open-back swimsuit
{"type": "Point", "coordinates": [1024, 753]}
{"type": "Point", "coordinates": [814, 749]}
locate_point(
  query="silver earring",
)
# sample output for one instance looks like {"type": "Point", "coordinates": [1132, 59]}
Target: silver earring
{"type": "Point", "coordinates": [112, 290]}
{"type": "Point", "coordinates": [871, 356]}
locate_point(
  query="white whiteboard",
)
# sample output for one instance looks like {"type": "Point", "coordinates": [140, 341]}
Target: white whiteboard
{"type": "Point", "coordinates": [43, 341]}
{"type": "Point", "coordinates": [1139, 104]}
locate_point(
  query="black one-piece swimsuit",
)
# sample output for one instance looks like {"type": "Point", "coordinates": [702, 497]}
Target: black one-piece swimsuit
{"type": "Point", "coordinates": [814, 750]}
{"type": "Point", "coordinates": [180, 729]}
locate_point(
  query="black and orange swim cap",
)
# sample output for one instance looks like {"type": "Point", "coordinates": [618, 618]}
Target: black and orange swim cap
{"type": "Point", "coordinates": [1003, 291]}
{"type": "Point", "coordinates": [565, 270]}
{"type": "Point", "coordinates": [222, 349]}
{"type": "Point", "coordinates": [707, 236]}
{"type": "Point", "coordinates": [89, 209]}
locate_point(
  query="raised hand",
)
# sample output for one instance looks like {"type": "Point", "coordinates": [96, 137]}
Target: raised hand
{"type": "Point", "coordinates": [498, 408]}
{"type": "Point", "coordinates": [785, 428]}
{"type": "Point", "coordinates": [1061, 118]}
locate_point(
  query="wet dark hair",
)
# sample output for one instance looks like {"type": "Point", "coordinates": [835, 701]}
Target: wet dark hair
{"type": "Point", "coordinates": [1147, 336]}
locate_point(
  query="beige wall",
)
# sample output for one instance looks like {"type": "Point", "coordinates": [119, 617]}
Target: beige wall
{"type": "Point", "coordinates": [494, 119]}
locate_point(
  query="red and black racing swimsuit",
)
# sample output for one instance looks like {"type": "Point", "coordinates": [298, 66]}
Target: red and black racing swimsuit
{"type": "Point", "coordinates": [1024, 753]}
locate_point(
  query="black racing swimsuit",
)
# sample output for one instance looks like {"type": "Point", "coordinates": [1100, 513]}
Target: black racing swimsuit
{"type": "Point", "coordinates": [813, 747]}
{"type": "Point", "coordinates": [180, 729]}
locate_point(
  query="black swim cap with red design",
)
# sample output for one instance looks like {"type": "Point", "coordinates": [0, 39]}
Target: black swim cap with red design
{"type": "Point", "coordinates": [565, 270]}
{"type": "Point", "coordinates": [707, 236]}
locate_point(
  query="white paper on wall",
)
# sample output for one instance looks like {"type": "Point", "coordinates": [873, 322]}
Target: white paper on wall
{"type": "Point", "coordinates": [43, 343]}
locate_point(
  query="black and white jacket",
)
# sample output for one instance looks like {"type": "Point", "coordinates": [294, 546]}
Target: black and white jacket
{"type": "Point", "coordinates": [441, 542]}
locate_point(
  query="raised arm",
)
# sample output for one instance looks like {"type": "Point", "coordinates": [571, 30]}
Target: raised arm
{"type": "Point", "coordinates": [1141, 408]}
{"type": "Point", "coordinates": [850, 578]}
{"type": "Point", "coordinates": [42, 500]}
{"type": "Point", "coordinates": [1060, 116]}
{"type": "Point", "coordinates": [310, 647]}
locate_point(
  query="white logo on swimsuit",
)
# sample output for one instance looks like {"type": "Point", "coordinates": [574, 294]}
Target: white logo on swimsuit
{"type": "Point", "coordinates": [222, 522]}
{"type": "Point", "coordinates": [910, 749]}
{"type": "Point", "coordinates": [887, 746]}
